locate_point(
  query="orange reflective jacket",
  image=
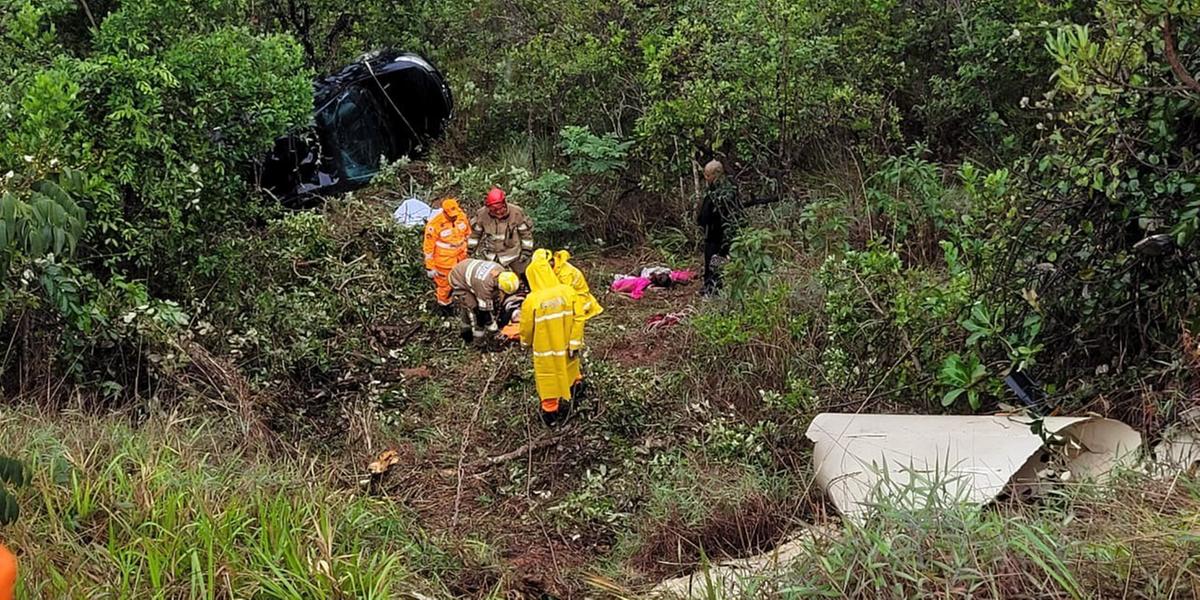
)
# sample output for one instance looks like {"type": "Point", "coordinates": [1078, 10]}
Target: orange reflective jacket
{"type": "Point", "coordinates": [446, 237]}
{"type": "Point", "coordinates": [8, 573]}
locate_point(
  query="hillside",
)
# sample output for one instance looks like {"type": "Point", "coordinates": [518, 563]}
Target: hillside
{"type": "Point", "coordinates": [941, 201]}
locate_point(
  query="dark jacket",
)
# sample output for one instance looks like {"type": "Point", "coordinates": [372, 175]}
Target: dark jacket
{"type": "Point", "coordinates": [720, 211]}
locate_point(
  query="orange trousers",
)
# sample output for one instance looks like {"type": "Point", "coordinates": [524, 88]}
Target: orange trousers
{"type": "Point", "coordinates": [441, 287]}
{"type": "Point", "coordinates": [8, 573]}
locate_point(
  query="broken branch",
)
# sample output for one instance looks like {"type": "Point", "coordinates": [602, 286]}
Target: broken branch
{"type": "Point", "coordinates": [507, 456]}
{"type": "Point", "coordinates": [1173, 56]}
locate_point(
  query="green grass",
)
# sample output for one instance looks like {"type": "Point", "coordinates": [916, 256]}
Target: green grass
{"type": "Point", "coordinates": [181, 509]}
{"type": "Point", "coordinates": [1137, 539]}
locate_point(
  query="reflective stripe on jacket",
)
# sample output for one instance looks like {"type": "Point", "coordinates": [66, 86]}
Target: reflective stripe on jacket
{"type": "Point", "coordinates": [445, 242]}
{"type": "Point", "coordinates": [547, 320]}
{"type": "Point", "coordinates": [475, 283]}
{"type": "Point", "coordinates": [502, 240]}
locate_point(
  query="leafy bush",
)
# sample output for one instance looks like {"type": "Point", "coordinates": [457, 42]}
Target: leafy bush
{"type": "Point", "coordinates": [552, 210]}
{"type": "Point", "coordinates": [591, 154]}
{"type": "Point", "coordinates": [47, 221]}
{"type": "Point", "coordinates": [962, 376]}
{"type": "Point", "coordinates": [147, 133]}
{"type": "Point", "coordinates": [916, 210]}
{"type": "Point", "coordinates": [1115, 169]}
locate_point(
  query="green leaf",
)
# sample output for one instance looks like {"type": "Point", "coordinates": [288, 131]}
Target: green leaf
{"type": "Point", "coordinates": [951, 396]}
{"type": "Point", "coordinates": [978, 371]}
{"type": "Point", "coordinates": [9, 511]}
{"type": "Point", "coordinates": [952, 370]}
{"type": "Point", "coordinates": [12, 472]}
{"type": "Point", "coordinates": [978, 314]}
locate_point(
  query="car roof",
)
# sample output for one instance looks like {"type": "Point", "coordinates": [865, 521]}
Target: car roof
{"type": "Point", "coordinates": [375, 64]}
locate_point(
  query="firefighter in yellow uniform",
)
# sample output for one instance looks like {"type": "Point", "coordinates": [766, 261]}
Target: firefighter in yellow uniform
{"type": "Point", "coordinates": [585, 305]}
{"type": "Point", "coordinates": [547, 323]}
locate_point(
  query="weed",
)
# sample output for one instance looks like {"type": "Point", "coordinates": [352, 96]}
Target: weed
{"type": "Point", "coordinates": [1077, 549]}
{"type": "Point", "coordinates": [594, 500]}
{"type": "Point", "coordinates": [172, 511]}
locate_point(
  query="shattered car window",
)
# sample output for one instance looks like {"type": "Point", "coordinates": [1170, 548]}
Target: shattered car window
{"type": "Point", "coordinates": [359, 132]}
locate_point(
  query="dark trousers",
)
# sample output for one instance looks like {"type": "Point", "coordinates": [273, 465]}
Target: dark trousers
{"type": "Point", "coordinates": [712, 275]}
{"type": "Point", "coordinates": [475, 318]}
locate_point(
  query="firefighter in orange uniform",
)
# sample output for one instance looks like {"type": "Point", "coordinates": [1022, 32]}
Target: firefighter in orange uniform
{"type": "Point", "coordinates": [445, 245]}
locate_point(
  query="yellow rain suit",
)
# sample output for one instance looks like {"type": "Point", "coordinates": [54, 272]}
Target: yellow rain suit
{"type": "Point", "coordinates": [586, 306]}
{"type": "Point", "coordinates": [547, 321]}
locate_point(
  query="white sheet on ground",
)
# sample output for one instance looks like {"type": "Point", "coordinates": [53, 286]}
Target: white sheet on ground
{"type": "Point", "coordinates": [412, 213]}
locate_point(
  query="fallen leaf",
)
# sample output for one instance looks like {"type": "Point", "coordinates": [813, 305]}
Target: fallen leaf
{"type": "Point", "coordinates": [1031, 296]}
{"type": "Point", "coordinates": [384, 462]}
{"type": "Point", "coordinates": [421, 372]}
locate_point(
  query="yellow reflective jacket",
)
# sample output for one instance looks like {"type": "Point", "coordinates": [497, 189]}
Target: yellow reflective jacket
{"type": "Point", "coordinates": [585, 304]}
{"type": "Point", "coordinates": [547, 321]}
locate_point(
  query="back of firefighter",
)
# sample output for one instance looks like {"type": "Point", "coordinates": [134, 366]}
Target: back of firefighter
{"type": "Point", "coordinates": [547, 322]}
{"type": "Point", "coordinates": [502, 232]}
{"type": "Point", "coordinates": [585, 305]}
{"type": "Point", "coordinates": [479, 286]}
{"type": "Point", "coordinates": [445, 246]}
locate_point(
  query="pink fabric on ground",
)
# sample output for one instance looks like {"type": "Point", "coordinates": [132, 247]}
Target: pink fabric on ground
{"type": "Point", "coordinates": [634, 286]}
{"type": "Point", "coordinates": [681, 276]}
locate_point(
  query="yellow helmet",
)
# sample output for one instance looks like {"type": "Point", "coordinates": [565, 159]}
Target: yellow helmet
{"type": "Point", "coordinates": [509, 282]}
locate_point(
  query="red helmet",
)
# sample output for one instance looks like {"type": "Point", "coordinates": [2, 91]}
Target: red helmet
{"type": "Point", "coordinates": [495, 197]}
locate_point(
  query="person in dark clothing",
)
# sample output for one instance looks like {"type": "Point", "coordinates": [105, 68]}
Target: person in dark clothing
{"type": "Point", "coordinates": [719, 215]}
{"type": "Point", "coordinates": [716, 216]}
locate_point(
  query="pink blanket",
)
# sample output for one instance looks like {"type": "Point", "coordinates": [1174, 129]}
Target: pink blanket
{"type": "Point", "coordinates": [636, 286]}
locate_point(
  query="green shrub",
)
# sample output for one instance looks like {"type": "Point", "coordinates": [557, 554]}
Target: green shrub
{"type": "Point", "coordinates": [147, 132]}
{"type": "Point", "coordinates": [552, 210]}
{"type": "Point", "coordinates": [590, 154]}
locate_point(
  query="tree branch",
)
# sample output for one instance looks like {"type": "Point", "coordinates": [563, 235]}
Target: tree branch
{"type": "Point", "coordinates": [1173, 56]}
{"type": "Point", "coordinates": [87, 10]}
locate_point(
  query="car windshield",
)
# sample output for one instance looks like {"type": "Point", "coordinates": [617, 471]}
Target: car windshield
{"type": "Point", "coordinates": [358, 132]}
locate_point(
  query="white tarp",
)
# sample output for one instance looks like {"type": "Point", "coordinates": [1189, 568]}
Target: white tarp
{"type": "Point", "coordinates": [1179, 451]}
{"type": "Point", "coordinates": [732, 578]}
{"type": "Point", "coordinates": [860, 458]}
{"type": "Point", "coordinates": [412, 213]}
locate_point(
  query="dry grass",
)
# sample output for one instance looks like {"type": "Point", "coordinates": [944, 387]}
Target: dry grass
{"type": "Point", "coordinates": [1135, 539]}
{"type": "Point", "coordinates": [753, 524]}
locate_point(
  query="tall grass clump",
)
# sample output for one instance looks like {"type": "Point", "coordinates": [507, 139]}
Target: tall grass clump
{"type": "Point", "coordinates": [172, 509]}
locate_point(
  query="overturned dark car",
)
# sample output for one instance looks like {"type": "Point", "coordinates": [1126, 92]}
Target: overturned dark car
{"type": "Point", "coordinates": [385, 105]}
